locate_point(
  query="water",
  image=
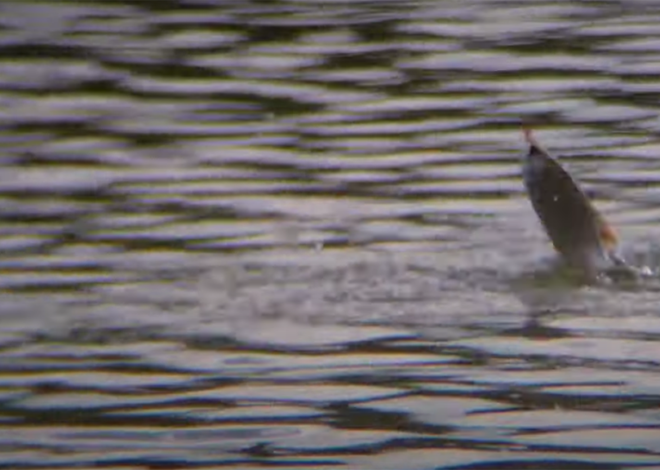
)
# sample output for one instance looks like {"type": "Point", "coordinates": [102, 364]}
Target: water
{"type": "Point", "coordinates": [294, 234]}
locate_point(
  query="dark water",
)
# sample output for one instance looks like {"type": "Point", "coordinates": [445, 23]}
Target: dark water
{"type": "Point", "coordinates": [292, 234]}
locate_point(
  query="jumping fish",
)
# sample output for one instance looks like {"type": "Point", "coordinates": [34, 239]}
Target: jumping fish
{"type": "Point", "coordinates": [581, 235]}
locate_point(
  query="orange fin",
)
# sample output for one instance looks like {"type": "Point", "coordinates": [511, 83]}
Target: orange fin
{"type": "Point", "coordinates": [608, 236]}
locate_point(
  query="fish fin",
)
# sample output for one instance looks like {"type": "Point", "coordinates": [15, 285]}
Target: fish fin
{"type": "Point", "coordinates": [608, 236]}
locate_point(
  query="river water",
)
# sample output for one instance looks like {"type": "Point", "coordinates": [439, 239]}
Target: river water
{"type": "Point", "coordinates": [293, 234]}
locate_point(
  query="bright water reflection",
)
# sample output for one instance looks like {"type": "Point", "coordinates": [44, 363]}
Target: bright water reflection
{"type": "Point", "coordinates": [244, 234]}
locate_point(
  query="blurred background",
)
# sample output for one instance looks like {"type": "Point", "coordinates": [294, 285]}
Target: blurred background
{"type": "Point", "coordinates": [243, 234]}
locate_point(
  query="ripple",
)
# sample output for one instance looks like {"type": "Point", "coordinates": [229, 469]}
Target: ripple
{"type": "Point", "coordinates": [418, 104]}
{"type": "Point", "coordinates": [317, 395]}
{"type": "Point", "coordinates": [493, 62]}
{"type": "Point", "coordinates": [631, 26]}
{"type": "Point", "coordinates": [237, 234]}
{"type": "Point", "coordinates": [635, 45]}
{"type": "Point", "coordinates": [437, 411]}
{"type": "Point", "coordinates": [642, 439]}
{"type": "Point", "coordinates": [481, 30]}
{"type": "Point", "coordinates": [64, 180]}
{"type": "Point", "coordinates": [599, 349]}
{"type": "Point", "coordinates": [537, 421]}
{"type": "Point", "coordinates": [200, 39]}
{"type": "Point", "coordinates": [35, 75]}
{"type": "Point", "coordinates": [258, 65]}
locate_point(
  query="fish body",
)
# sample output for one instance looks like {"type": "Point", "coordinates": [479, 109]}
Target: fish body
{"type": "Point", "coordinates": [577, 230]}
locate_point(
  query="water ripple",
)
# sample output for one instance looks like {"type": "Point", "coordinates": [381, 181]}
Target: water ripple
{"type": "Point", "coordinates": [294, 234]}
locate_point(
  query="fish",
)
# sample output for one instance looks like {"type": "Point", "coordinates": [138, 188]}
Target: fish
{"type": "Point", "coordinates": [577, 230]}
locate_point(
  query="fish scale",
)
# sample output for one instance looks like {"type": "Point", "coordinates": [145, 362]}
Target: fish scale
{"type": "Point", "coordinates": [575, 227]}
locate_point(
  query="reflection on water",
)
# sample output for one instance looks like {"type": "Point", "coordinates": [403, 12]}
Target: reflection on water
{"type": "Point", "coordinates": [245, 234]}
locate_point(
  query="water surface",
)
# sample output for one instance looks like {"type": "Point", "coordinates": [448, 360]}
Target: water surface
{"type": "Point", "coordinates": [293, 234]}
